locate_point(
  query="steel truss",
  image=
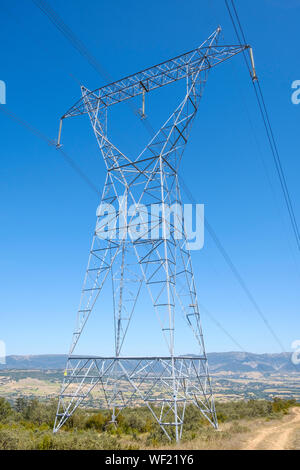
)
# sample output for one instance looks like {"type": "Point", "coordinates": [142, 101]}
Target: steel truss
{"type": "Point", "coordinates": [144, 381]}
{"type": "Point", "coordinates": [161, 262]}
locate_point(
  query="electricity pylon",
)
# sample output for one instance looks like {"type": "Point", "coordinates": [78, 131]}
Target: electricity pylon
{"type": "Point", "coordinates": [156, 256]}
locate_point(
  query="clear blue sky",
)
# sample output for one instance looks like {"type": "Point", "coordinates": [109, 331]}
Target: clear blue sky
{"type": "Point", "coordinates": [48, 213]}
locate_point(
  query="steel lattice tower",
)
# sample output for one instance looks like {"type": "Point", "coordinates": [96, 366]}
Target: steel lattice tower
{"type": "Point", "coordinates": [162, 263]}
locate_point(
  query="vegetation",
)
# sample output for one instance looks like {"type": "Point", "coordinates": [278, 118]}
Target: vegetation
{"type": "Point", "coordinates": [27, 424]}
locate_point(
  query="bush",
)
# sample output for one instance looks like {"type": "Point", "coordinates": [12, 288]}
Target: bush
{"type": "Point", "coordinates": [136, 423]}
{"type": "Point", "coordinates": [7, 441]}
{"type": "Point", "coordinates": [29, 425]}
{"type": "Point", "coordinates": [46, 443]}
{"type": "Point", "coordinates": [97, 421]}
{"type": "Point", "coordinates": [88, 440]}
{"type": "Point", "coordinates": [230, 411]}
{"type": "Point", "coordinates": [35, 411]}
{"type": "Point", "coordinates": [280, 405]}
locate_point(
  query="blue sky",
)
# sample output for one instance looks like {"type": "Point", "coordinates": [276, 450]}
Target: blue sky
{"type": "Point", "coordinates": [48, 213]}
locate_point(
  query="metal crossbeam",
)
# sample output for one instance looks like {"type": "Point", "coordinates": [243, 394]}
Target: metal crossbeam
{"type": "Point", "coordinates": [202, 58]}
{"type": "Point", "coordinates": [144, 381]}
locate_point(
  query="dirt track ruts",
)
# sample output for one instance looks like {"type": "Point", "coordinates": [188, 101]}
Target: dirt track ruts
{"type": "Point", "coordinates": [276, 437]}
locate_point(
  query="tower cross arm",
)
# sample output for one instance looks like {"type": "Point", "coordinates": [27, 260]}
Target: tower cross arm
{"type": "Point", "coordinates": [203, 58]}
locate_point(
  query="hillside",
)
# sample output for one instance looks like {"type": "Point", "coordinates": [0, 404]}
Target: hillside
{"type": "Point", "coordinates": [255, 424]}
{"type": "Point", "coordinates": [248, 362]}
{"type": "Point", "coordinates": [226, 362]}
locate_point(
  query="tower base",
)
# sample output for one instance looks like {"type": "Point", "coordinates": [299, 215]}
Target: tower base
{"type": "Point", "coordinates": [164, 384]}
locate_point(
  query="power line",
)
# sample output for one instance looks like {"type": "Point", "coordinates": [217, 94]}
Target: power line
{"type": "Point", "coordinates": [52, 144]}
{"type": "Point", "coordinates": [68, 33]}
{"type": "Point", "coordinates": [82, 175]}
{"type": "Point", "coordinates": [234, 269]}
{"type": "Point", "coordinates": [268, 178]}
{"type": "Point", "coordinates": [82, 49]}
{"type": "Point", "coordinates": [267, 124]}
{"type": "Point", "coordinates": [209, 314]}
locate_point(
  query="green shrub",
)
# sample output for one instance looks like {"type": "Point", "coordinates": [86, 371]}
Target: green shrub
{"type": "Point", "coordinates": [241, 409]}
{"type": "Point", "coordinates": [97, 421]}
{"type": "Point", "coordinates": [8, 441]}
{"type": "Point", "coordinates": [46, 443]}
{"type": "Point", "coordinates": [29, 425]}
{"type": "Point", "coordinates": [280, 405]}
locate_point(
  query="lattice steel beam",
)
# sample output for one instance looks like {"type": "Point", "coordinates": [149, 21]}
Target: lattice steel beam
{"type": "Point", "coordinates": [204, 57]}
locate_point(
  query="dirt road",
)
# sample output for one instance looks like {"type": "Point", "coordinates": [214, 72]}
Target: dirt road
{"type": "Point", "coordinates": [276, 436]}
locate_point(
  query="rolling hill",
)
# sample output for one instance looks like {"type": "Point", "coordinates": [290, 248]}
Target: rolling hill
{"type": "Point", "coordinates": [225, 362]}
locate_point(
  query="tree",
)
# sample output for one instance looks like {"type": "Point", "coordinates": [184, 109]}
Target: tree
{"type": "Point", "coordinates": [5, 409]}
{"type": "Point", "coordinates": [21, 405]}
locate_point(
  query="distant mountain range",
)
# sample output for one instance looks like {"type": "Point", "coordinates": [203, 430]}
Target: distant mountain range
{"type": "Point", "coordinates": [41, 362]}
{"type": "Point", "coordinates": [250, 362]}
{"type": "Point", "coordinates": [235, 362]}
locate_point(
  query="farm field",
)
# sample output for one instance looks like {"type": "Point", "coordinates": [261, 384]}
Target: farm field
{"type": "Point", "coordinates": [226, 385]}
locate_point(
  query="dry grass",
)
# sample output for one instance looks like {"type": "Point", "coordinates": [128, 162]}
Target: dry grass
{"type": "Point", "coordinates": [262, 433]}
